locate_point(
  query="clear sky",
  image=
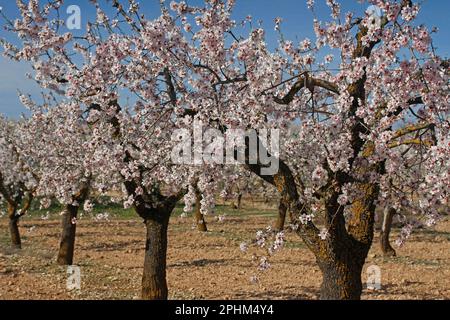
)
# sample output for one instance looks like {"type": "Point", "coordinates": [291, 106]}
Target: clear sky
{"type": "Point", "coordinates": [297, 24]}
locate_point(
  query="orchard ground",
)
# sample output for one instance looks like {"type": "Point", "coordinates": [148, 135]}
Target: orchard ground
{"type": "Point", "coordinates": [203, 265]}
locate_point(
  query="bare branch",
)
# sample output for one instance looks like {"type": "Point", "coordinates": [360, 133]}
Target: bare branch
{"type": "Point", "coordinates": [309, 83]}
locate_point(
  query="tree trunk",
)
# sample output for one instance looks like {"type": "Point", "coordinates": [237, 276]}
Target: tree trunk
{"type": "Point", "coordinates": [14, 227]}
{"type": "Point", "coordinates": [199, 217]}
{"type": "Point", "coordinates": [154, 284]}
{"type": "Point", "coordinates": [282, 208]}
{"type": "Point", "coordinates": [385, 232]}
{"type": "Point", "coordinates": [15, 235]}
{"type": "Point", "coordinates": [342, 277]}
{"type": "Point", "coordinates": [237, 204]}
{"type": "Point", "coordinates": [67, 244]}
{"type": "Point", "coordinates": [239, 201]}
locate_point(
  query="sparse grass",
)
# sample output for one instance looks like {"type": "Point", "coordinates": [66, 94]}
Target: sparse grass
{"type": "Point", "coordinates": [116, 210]}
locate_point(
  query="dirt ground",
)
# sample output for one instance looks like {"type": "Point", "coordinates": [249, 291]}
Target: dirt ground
{"type": "Point", "coordinates": [204, 265]}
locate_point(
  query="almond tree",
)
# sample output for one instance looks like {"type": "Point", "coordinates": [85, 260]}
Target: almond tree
{"type": "Point", "coordinates": [17, 176]}
{"type": "Point", "coordinates": [58, 137]}
{"type": "Point", "coordinates": [356, 128]}
{"type": "Point", "coordinates": [354, 122]}
{"type": "Point", "coordinates": [127, 147]}
{"type": "Point", "coordinates": [124, 154]}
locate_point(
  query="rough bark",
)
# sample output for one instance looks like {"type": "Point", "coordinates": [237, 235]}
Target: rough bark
{"type": "Point", "coordinates": [347, 248]}
{"type": "Point", "coordinates": [342, 276]}
{"type": "Point", "coordinates": [342, 258]}
{"type": "Point", "coordinates": [386, 247]}
{"type": "Point", "coordinates": [199, 217]}
{"type": "Point", "coordinates": [156, 217]}
{"type": "Point", "coordinates": [154, 284]}
{"type": "Point", "coordinates": [14, 227]}
{"type": "Point", "coordinates": [67, 244]}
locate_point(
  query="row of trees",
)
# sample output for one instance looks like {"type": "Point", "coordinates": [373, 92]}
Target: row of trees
{"type": "Point", "coordinates": [358, 142]}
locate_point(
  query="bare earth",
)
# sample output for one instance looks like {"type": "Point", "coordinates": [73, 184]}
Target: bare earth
{"type": "Point", "coordinates": [204, 265]}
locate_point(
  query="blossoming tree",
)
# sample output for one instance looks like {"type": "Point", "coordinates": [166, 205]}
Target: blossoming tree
{"type": "Point", "coordinates": [17, 176]}
{"type": "Point", "coordinates": [58, 138]}
{"type": "Point", "coordinates": [128, 146]}
{"type": "Point", "coordinates": [356, 129]}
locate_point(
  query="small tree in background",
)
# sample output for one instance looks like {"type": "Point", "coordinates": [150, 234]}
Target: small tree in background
{"type": "Point", "coordinates": [17, 177]}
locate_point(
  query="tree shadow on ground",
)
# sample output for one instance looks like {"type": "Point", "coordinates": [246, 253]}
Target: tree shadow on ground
{"type": "Point", "coordinates": [200, 263]}
{"type": "Point", "coordinates": [397, 289]}
{"type": "Point", "coordinates": [304, 293]}
{"type": "Point", "coordinates": [116, 246]}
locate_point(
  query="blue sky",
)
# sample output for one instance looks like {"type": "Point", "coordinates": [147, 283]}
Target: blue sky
{"type": "Point", "coordinates": [297, 22]}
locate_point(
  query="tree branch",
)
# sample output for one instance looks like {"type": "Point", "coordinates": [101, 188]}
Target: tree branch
{"type": "Point", "coordinates": [309, 83]}
{"type": "Point", "coordinates": [411, 129]}
{"type": "Point", "coordinates": [419, 142]}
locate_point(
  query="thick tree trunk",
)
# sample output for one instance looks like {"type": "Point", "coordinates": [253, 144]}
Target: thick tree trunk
{"type": "Point", "coordinates": [282, 208]}
{"type": "Point", "coordinates": [154, 284]}
{"type": "Point", "coordinates": [67, 244]}
{"type": "Point", "coordinates": [14, 227]}
{"type": "Point", "coordinates": [342, 259]}
{"type": "Point", "coordinates": [199, 217]}
{"type": "Point", "coordinates": [385, 232]}
{"type": "Point", "coordinates": [342, 277]}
